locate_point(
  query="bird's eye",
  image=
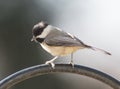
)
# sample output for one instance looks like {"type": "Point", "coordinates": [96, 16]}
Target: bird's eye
{"type": "Point", "coordinates": [37, 31]}
{"type": "Point", "coordinates": [38, 28]}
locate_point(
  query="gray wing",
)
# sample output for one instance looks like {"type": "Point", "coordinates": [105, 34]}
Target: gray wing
{"type": "Point", "coordinates": [62, 39]}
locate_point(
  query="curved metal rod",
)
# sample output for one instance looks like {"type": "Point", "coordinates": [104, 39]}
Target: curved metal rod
{"type": "Point", "coordinates": [45, 69]}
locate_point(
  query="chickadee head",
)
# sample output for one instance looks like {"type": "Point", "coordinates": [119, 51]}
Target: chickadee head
{"type": "Point", "coordinates": [38, 30]}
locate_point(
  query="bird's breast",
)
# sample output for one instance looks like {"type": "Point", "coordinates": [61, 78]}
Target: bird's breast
{"type": "Point", "coordinates": [60, 50]}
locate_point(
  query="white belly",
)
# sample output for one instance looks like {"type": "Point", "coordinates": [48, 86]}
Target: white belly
{"type": "Point", "coordinates": [60, 50]}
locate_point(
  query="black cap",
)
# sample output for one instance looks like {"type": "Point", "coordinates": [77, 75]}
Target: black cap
{"type": "Point", "coordinates": [38, 28]}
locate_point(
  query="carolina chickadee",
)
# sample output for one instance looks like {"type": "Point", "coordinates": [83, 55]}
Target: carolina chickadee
{"type": "Point", "coordinates": [57, 42]}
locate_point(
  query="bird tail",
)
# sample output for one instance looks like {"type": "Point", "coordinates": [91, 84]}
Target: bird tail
{"type": "Point", "coordinates": [97, 49]}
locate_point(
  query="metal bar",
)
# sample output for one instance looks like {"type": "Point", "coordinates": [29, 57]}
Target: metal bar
{"type": "Point", "coordinates": [46, 69]}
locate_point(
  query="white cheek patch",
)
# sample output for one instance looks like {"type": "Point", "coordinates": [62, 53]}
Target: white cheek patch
{"type": "Point", "coordinates": [41, 24]}
{"type": "Point", "coordinates": [45, 32]}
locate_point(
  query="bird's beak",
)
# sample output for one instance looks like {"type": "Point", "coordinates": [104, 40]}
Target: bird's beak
{"type": "Point", "coordinates": [33, 39]}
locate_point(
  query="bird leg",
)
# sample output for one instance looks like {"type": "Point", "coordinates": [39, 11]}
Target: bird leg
{"type": "Point", "coordinates": [71, 61]}
{"type": "Point", "coordinates": [51, 62]}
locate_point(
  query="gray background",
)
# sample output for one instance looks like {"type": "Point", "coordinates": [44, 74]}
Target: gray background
{"type": "Point", "coordinates": [95, 22]}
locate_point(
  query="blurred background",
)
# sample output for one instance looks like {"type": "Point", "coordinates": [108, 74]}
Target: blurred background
{"type": "Point", "coordinates": [95, 22]}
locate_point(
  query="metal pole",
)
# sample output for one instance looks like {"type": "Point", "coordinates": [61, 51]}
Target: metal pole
{"type": "Point", "coordinates": [46, 69]}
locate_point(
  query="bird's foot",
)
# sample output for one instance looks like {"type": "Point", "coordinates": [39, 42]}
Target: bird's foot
{"type": "Point", "coordinates": [50, 63]}
{"type": "Point", "coordinates": [72, 64]}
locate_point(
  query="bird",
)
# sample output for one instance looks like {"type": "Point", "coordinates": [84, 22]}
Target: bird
{"type": "Point", "coordinates": [58, 42]}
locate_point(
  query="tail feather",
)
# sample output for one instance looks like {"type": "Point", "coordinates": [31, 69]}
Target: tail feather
{"type": "Point", "coordinates": [97, 49]}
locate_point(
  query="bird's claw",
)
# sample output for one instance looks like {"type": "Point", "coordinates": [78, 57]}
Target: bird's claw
{"type": "Point", "coordinates": [71, 63]}
{"type": "Point", "coordinates": [51, 64]}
